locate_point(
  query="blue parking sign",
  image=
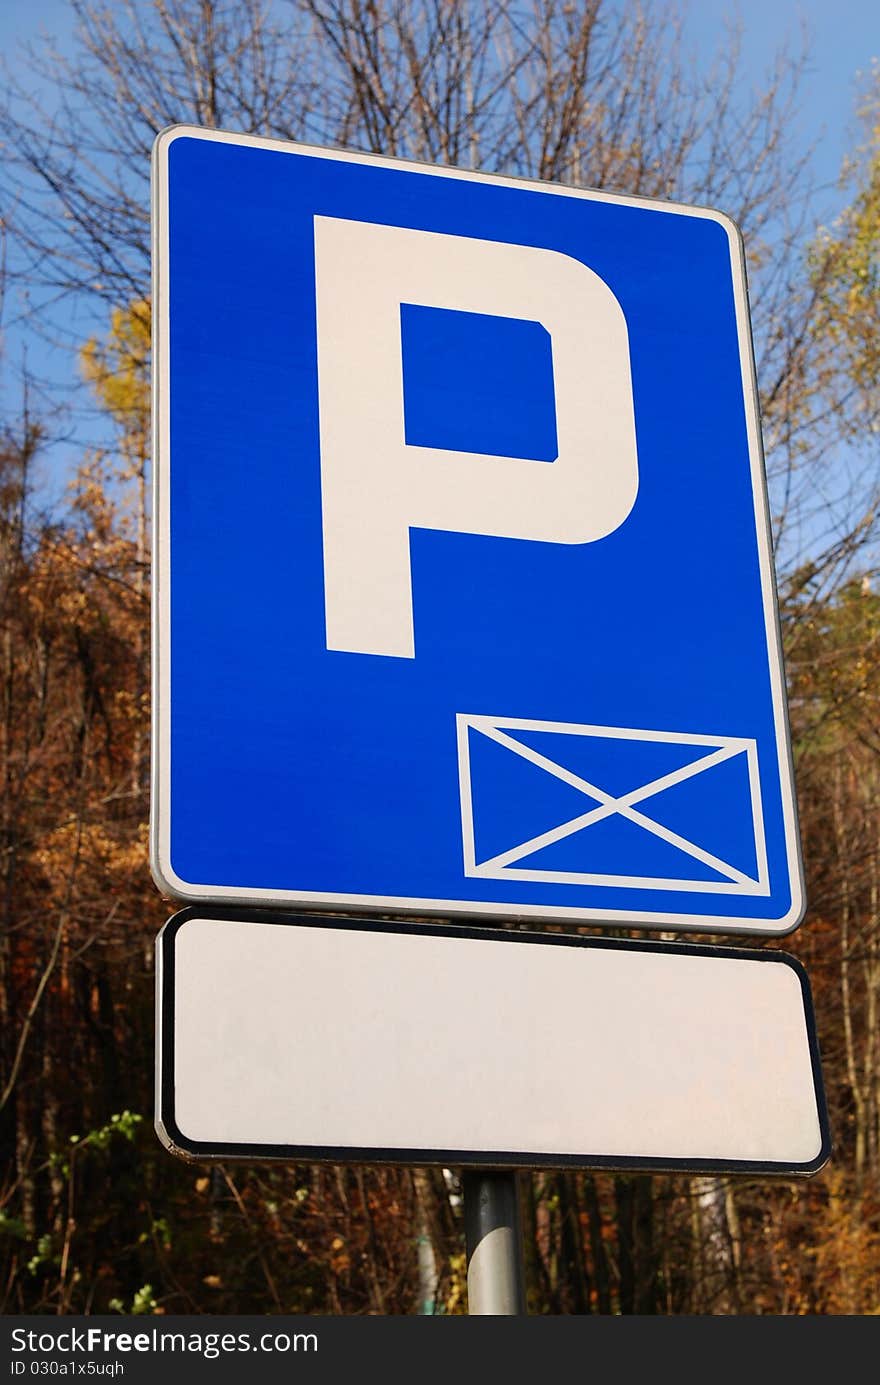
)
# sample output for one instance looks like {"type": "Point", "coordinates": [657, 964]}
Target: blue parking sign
{"type": "Point", "coordinates": [464, 596]}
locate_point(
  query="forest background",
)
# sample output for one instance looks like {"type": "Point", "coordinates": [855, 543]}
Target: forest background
{"type": "Point", "coordinates": [94, 1215]}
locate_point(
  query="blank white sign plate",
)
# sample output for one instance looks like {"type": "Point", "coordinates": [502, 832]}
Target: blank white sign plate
{"type": "Point", "coordinates": [298, 1038]}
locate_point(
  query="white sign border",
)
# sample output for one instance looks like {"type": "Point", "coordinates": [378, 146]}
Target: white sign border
{"type": "Point", "coordinates": [166, 878]}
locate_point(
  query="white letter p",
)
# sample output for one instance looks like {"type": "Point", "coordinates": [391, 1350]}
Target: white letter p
{"type": "Point", "coordinates": [376, 487]}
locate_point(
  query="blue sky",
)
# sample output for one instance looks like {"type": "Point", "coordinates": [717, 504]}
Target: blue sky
{"type": "Point", "coordinates": [844, 37]}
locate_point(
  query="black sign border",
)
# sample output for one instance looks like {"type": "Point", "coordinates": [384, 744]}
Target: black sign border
{"type": "Point", "coordinates": [197, 1152]}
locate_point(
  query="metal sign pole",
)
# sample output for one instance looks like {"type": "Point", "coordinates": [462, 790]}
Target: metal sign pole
{"type": "Point", "coordinates": [493, 1232]}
